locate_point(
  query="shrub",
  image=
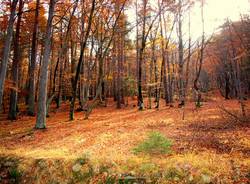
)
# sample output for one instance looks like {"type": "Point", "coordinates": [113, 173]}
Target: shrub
{"type": "Point", "coordinates": [156, 143]}
{"type": "Point", "coordinates": [82, 169]}
{"type": "Point", "coordinates": [15, 175]}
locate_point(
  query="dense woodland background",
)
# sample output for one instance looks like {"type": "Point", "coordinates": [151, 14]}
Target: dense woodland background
{"type": "Point", "coordinates": [81, 56]}
{"type": "Point", "coordinates": [81, 51]}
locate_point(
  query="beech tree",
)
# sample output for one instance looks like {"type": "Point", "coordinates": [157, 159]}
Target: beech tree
{"type": "Point", "coordinates": [31, 84]}
{"type": "Point", "coordinates": [200, 59]}
{"type": "Point", "coordinates": [15, 66]}
{"type": "Point", "coordinates": [6, 48]}
{"type": "Point", "coordinates": [42, 99]}
{"type": "Point", "coordinates": [181, 52]}
{"type": "Point", "coordinates": [79, 54]}
{"type": "Point", "coordinates": [81, 58]}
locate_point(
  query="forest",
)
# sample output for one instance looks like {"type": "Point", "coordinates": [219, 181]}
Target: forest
{"type": "Point", "coordinates": [124, 92]}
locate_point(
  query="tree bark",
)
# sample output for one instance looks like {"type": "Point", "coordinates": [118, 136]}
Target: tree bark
{"type": "Point", "coordinates": [15, 67]}
{"type": "Point", "coordinates": [72, 104]}
{"type": "Point", "coordinates": [6, 50]}
{"type": "Point", "coordinates": [32, 87]}
{"type": "Point", "coordinates": [181, 60]}
{"type": "Point", "coordinates": [200, 60]}
{"type": "Point", "coordinates": [140, 59]}
{"type": "Point", "coordinates": [164, 55]}
{"type": "Point", "coordinates": [42, 99]}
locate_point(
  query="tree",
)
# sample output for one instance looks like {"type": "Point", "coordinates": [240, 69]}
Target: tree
{"type": "Point", "coordinates": [6, 50]}
{"type": "Point", "coordinates": [15, 67]}
{"type": "Point", "coordinates": [41, 108]}
{"type": "Point", "coordinates": [200, 59]}
{"type": "Point", "coordinates": [120, 55]}
{"type": "Point", "coordinates": [141, 47]}
{"type": "Point", "coordinates": [181, 52]}
{"type": "Point", "coordinates": [31, 84]}
{"type": "Point", "coordinates": [105, 39]}
{"type": "Point", "coordinates": [79, 65]}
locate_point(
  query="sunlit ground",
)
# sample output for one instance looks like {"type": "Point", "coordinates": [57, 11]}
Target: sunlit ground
{"type": "Point", "coordinates": [208, 145]}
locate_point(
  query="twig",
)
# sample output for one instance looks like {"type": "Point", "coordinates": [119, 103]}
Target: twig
{"type": "Point", "coordinates": [231, 114]}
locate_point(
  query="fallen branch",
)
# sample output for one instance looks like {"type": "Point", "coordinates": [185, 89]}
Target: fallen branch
{"type": "Point", "coordinates": [231, 114]}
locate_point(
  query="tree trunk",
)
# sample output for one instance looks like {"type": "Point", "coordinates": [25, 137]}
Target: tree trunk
{"type": "Point", "coordinates": [151, 75]}
{"type": "Point", "coordinates": [140, 97]}
{"type": "Point", "coordinates": [42, 99]}
{"type": "Point", "coordinates": [39, 71]}
{"type": "Point", "coordinates": [50, 99]}
{"type": "Point", "coordinates": [119, 73]}
{"type": "Point", "coordinates": [181, 60]}
{"type": "Point", "coordinates": [31, 90]}
{"type": "Point", "coordinates": [164, 55]}
{"type": "Point", "coordinates": [156, 79]}
{"type": "Point", "coordinates": [141, 51]}
{"type": "Point", "coordinates": [114, 67]}
{"type": "Point", "coordinates": [200, 60]}
{"type": "Point", "coordinates": [6, 50]}
{"type": "Point", "coordinates": [160, 86]}
{"type": "Point", "coordinates": [15, 67]}
{"type": "Point", "coordinates": [227, 88]}
{"type": "Point", "coordinates": [72, 104]}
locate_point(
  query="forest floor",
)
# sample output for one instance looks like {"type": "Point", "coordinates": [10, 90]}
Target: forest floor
{"type": "Point", "coordinates": [209, 146]}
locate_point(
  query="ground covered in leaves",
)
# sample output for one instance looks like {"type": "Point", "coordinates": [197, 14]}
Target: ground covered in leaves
{"type": "Point", "coordinates": [208, 146]}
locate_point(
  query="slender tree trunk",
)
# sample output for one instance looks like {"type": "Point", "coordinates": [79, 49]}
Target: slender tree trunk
{"type": "Point", "coordinates": [63, 53]}
{"type": "Point", "coordinates": [164, 55]}
{"type": "Point", "coordinates": [170, 82]}
{"type": "Point", "coordinates": [101, 54]}
{"type": "Point", "coordinates": [61, 57]}
{"type": "Point", "coordinates": [156, 79]}
{"type": "Point", "coordinates": [137, 46]}
{"type": "Point", "coordinates": [200, 60]}
{"type": "Point", "coordinates": [181, 60]}
{"type": "Point", "coordinates": [141, 51]}
{"type": "Point", "coordinates": [160, 86]}
{"type": "Point", "coordinates": [32, 87]}
{"type": "Point", "coordinates": [189, 56]}
{"type": "Point", "coordinates": [72, 105]}
{"type": "Point", "coordinates": [42, 99]}
{"type": "Point", "coordinates": [39, 71]}
{"type": "Point", "coordinates": [114, 71]}
{"type": "Point", "coordinates": [140, 97]}
{"type": "Point", "coordinates": [89, 71]}
{"type": "Point", "coordinates": [187, 65]}
{"type": "Point", "coordinates": [165, 81]}
{"type": "Point", "coordinates": [241, 100]}
{"type": "Point", "coordinates": [119, 68]}
{"type": "Point", "coordinates": [98, 95]}
{"type": "Point", "coordinates": [168, 85]}
{"type": "Point", "coordinates": [119, 76]}
{"type": "Point", "coordinates": [227, 88]}
{"type": "Point", "coordinates": [164, 47]}
{"type": "Point", "coordinates": [6, 50]}
{"type": "Point", "coordinates": [122, 65]}
{"type": "Point", "coordinates": [119, 38]}
{"type": "Point", "coordinates": [15, 67]}
{"type": "Point", "coordinates": [49, 101]}
{"type": "Point", "coordinates": [151, 74]}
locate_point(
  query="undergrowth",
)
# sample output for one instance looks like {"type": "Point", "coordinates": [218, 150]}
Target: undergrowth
{"type": "Point", "coordinates": [178, 169]}
{"type": "Point", "coordinates": [156, 143]}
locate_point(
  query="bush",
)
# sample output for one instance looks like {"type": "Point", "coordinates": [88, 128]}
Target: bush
{"type": "Point", "coordinates": [156, 143]}
{"type": "Point", "coordinates": [15, 175]}
{"type": "Point", "coordinates": [82, 170]}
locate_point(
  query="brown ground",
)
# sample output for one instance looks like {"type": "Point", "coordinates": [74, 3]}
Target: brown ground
{"type": "Point", "coordinates": [205, 128]}
{"type": "Point", "coordinates": [111, 133]}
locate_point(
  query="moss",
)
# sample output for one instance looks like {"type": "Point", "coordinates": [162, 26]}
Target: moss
{"type": "Point", "coordinates": [156, 143]}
